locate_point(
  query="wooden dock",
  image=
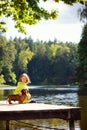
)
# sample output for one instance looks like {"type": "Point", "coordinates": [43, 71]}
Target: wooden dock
{"type": "Point", "coordinates": [38, 111]}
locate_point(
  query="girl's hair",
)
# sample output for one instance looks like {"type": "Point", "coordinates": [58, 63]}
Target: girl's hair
{"type": "Point", "coordinates": [27, 78]}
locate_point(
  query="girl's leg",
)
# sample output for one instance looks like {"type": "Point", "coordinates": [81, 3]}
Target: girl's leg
{"type": "Point", "coordinates": [32, 101]}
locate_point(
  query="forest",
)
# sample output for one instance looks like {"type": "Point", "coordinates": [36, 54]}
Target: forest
{"type": "Point", "coordinates": [52, 62]}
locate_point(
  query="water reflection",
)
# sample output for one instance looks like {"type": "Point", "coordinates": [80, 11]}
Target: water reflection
{"type": "Point", "coordinates": [50, 124]}
{"type": "Point", "coordinates": [83, 104]}
{"type": "Point", "coordinates": [52, 95]}
{"type": "Point", "coordinates": [2, 125]}
{"type": "Point", "coordinates": [59, 99]}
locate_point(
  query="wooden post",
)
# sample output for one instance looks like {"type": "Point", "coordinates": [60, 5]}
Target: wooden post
{"type": "Point", "coordinates": [7, 124]}
{"type": "Point", "coordinates": [71, 125]}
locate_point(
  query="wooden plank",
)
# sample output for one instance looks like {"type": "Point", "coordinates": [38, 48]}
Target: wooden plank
{"type": "Point", "coordinates": [32, 106]}
{"type": "Point", "coordinates": [71, 125]}
{"type": "Point", "coordinates": [7, 124]}
{"type": "Point", "coordinates": [37, 110]}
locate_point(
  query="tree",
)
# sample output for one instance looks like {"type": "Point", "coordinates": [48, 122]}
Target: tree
{"type": "Point", "coordinates": [2, 47]}
{"type": "Point", "coordinates": [53, 63]}
{"type": "Point", "coordinates": [83, 13]}
{"type": "Point", "coordinates": [7, 57]}
{"type": "Point", "coordinates": [24, 57]}
{"type": "Point", "coordinates": [2, 79]}
{"type": "Point", "coordinates": [7, 53]}
{"type": "Point", "coordinates": [23, 12]}
{"type": "Point", "coordinates": [82, 51]}
{"type": "Point", "coordinates": [26, 12]}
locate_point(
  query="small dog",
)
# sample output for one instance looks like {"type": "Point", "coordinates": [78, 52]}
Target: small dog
{"type": "Point", "coordinates": [20, 98]}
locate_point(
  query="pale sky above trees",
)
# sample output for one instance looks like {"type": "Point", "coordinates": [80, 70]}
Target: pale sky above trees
{"type": "Point", "coordinates": [67, 27]}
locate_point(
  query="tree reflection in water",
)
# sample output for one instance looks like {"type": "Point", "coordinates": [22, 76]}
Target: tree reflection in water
{"type": "Point", "coordinates": [83, 104]}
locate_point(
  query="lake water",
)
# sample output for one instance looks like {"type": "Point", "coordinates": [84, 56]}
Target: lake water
{"type": "Point", "coordinates": [59, 95]}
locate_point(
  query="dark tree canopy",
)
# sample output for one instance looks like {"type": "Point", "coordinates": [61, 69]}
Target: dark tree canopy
{"type": "Point", "coordinates": [82, 51]}
{"type": "Point", "coordinates": [46, 62]}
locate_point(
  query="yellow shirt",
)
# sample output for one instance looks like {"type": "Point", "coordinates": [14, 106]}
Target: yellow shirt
{"type": "Point", "coordinates": [19, 88]}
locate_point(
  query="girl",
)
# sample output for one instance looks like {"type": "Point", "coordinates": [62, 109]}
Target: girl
{"type": "Point", "coordinates": [22, 84]}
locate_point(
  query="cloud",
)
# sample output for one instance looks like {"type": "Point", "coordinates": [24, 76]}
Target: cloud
{"type": "Point", "coordinates": [66, 28]}
{"type": "Point", "coordinates": [62, 32]}
{"type": "Point", "coordinates": [70, 14]}
{"type": "Point", "coordinates": [67, 13]}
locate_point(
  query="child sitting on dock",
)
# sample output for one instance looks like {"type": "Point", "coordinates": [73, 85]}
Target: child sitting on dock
{"type": "Point", "coordinates": [22, 84]}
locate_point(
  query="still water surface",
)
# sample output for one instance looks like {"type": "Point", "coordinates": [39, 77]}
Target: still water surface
{"type": "Point", "coordinates": [59, 95]}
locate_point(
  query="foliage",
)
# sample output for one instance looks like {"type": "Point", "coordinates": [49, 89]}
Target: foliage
{"type": "Point", "coordinates": [82, 51]}
{"type": "Point", "coordinates": [2, 47]}
{"type": "Point", "coordinates": [83, 13]}
{"type": "Point", "coordinates": [7, 57]}
{"type": "Point", "coordinates": [46, 62]}
{"type": "Point", "coordinates": [26, 12]}
{"type": "Point", "coordinates": [2, 79]}
{"type": "Point", "coordinates": [10, 78]}
{"type": "Point", "coordinates": [24, 57]}
{"type": "Point", "coordinates": [23, 12]}
{"type": "Point", "coordinates": [52, 64]}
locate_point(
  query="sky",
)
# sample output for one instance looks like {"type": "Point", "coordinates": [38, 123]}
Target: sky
{"type": "Point", "coordinates": [66, 28]}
